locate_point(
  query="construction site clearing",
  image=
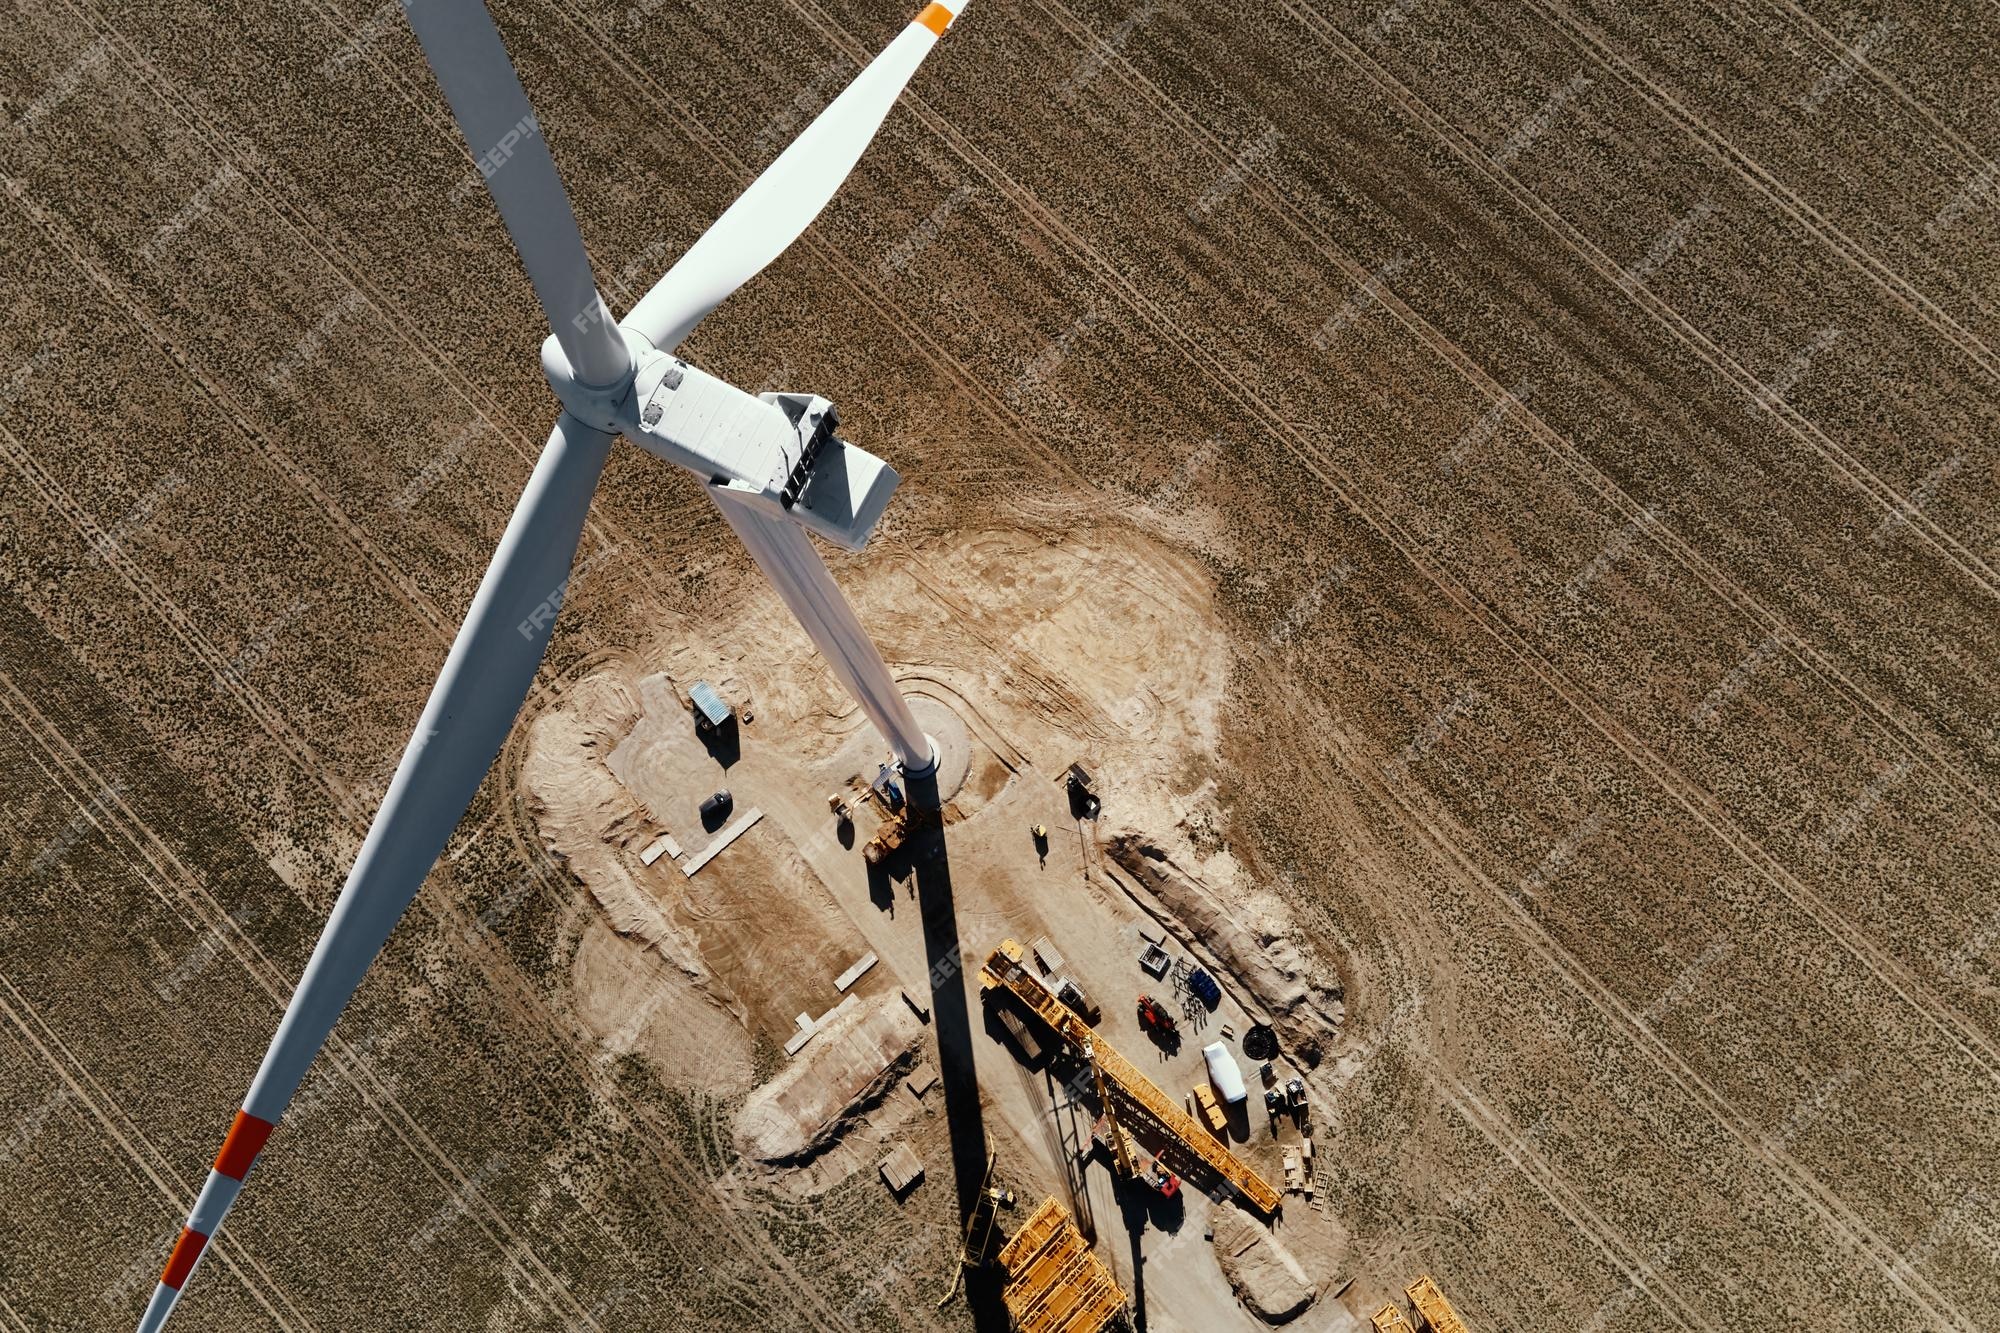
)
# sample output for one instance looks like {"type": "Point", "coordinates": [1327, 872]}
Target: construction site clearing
{"type": "Point", "coordinates": [1112, 1057]}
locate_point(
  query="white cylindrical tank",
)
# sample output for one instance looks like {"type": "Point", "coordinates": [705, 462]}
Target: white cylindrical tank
{"type": "Point", "coordinates": [1223, 1073]}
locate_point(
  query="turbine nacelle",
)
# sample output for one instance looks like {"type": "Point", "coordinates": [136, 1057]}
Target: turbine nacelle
{"type": "Point", "coordinates": [775, 450]}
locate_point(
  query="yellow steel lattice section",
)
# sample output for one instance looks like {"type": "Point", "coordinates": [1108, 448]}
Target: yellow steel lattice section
{"type": "Point", "coordinates": [1437, 1313]}
{"type": "Point", "coordinates": [1143, 1101]}
{"type": "Point", "coordinates": [1389, 1319]}
{"type": "Point", "coordinates": [1055, 1284]}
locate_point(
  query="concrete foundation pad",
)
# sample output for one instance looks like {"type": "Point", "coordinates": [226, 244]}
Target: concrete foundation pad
{"type": "Point", "coordinates": [950, 738]}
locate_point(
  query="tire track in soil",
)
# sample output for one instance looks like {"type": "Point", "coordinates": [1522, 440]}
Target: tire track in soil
{"type": "Point", "coordinates": [1766, 621]}
{"type": "Point", "coordinates": [1047, 688]}
{"type": "Point", "coordinates": [168, 613]}
{"type": "Point", "coordinates": [1697, 801]}
{"type": "Point", "coordinates": [923, 680]}
{"type": "Point", "coordinates": [139, 1152]}
{"type": "Point", "coordinates": [1450, 847]}
{"type": "Point", "coordinates": [280, 204]}
{"type": "Point", "coordinates": [1858, 57]}
{"type": "Point", "coordinates": [1642, 1273]}
{"type": "Point", "coordinates": [1920, 525]}
{"type": "Point", "coordinates": [136, 310]}
{"type": "Point", "coordinates": [1588, 38]}
{"type": "Point", "coordinates": [190, 897]}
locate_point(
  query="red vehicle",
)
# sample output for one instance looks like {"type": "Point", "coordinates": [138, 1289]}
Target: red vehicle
{"type": "Point", "coordinates": [1154, 1018]}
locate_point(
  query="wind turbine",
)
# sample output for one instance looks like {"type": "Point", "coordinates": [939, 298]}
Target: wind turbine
{"type": "Point", "coordinates": [771, 463]}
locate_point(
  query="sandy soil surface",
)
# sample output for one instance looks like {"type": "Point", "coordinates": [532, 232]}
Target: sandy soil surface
{"type": "Point", "coordinates": [1504, 496]}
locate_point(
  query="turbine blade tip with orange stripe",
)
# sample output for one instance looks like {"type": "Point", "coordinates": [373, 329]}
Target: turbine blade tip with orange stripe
{"type": "Point", "coordinates": [181, 1262]}
{"type": "Point", "coordinates": [246, 1138]}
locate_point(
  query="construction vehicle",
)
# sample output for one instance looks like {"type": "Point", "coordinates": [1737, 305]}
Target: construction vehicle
{"type": "Point", "coordinates": [1083, 799]}
{"type": "Point", "coordinates": [1434, 1312]}
{"type": "Point", "coordinates": [1211, 1110]}
{"type": "Point", "coordinates": [1071, 992]}
{"type": "Point", "coordinates": [900, 820]}
{"type": "Point", "coordinates": [1155, 1019]}
{"type": "Point", "coordinates": [887, 838]}
{"type": "Point", "coordinates": [1140, 1102]}
{"type": "Point", "coordinates": [1132, 1161]}
{"type": "Point", "coordinates": [1055, 1281]}
{"type": "Point", "coordinates": [1389, 1319]}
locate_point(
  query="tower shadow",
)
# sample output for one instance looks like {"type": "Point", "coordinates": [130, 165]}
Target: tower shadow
{"type": "Point", "coordinates": [1134, 1210]}
{"type": "Point", "coordinates": [957, 1074]}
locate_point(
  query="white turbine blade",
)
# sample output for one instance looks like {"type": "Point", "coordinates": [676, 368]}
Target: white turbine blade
{"type": "Point", "coordinates": [485, 677]}
{"type": "Point", "coordinates": [785, 553]}
{"type": "Point", "coordinates": [782, 203]}
{"type": "Point", "coordinates": [465, 52]}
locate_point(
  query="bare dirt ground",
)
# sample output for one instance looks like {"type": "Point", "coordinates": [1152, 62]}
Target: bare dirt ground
{"type": "Point", "coordinates": [1507, 495]}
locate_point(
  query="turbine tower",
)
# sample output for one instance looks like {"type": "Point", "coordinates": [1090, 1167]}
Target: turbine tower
{"type": "Point", "coordinates": [772, 463]}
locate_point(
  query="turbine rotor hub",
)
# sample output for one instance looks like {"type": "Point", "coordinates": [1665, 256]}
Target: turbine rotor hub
{"type": "Point", "coordinates": [604, 406]}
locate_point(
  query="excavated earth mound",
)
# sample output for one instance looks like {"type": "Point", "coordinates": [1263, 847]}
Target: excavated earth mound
{"type": "Point", "coordinates": [1268, 1280]}
{"type": "Point", "coordinates": [1305, 1011]}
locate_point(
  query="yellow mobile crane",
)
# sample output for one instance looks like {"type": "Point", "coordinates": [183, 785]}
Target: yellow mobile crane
{"type": "Point", "coordinates": [1136, 1094]}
